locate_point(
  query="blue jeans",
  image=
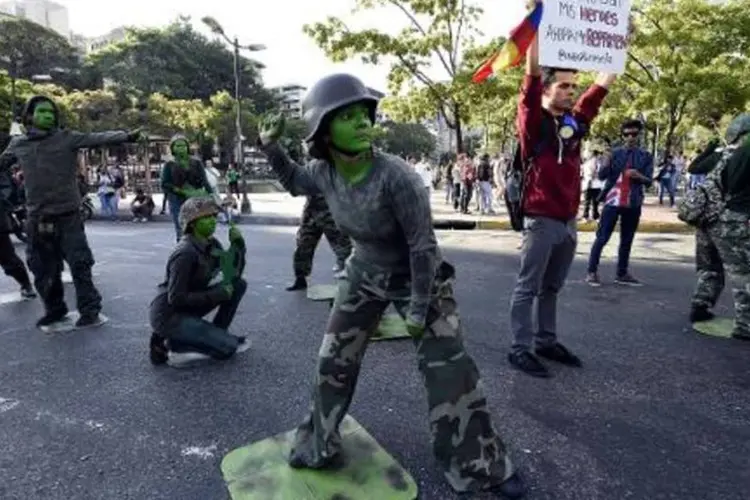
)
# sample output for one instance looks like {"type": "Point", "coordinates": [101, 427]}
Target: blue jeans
{"type": "Point", "coordinates": [666, 186]}
{"type": "Point", "coordinates": [175, 203]}
{"type": "Point", "coordinates": [109, 204]}
{"type": "Point", "coordinates": [629, 219]}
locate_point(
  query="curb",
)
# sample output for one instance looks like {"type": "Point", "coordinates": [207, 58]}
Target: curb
{"type": "Point", "coordinates": [590, 227]}
{"type": "Point", "coordinates": [442, 224]}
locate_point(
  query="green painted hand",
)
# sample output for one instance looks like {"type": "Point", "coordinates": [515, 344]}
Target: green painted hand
{"type": "Point", "coordinates": [415, 330]}
{"type": "Point", "coordinates": [229, 288]}
{"type": "Point", "coordinates": [234, 233]}
{"type": "Point", "coordinates": [271, 128]}
{"type": "Point", "coordinates": [226, 264]}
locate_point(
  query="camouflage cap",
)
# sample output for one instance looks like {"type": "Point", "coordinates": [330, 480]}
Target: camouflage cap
{"type": "Point", "coordinates": [737, 128]}
{"type": "Point", "coordinates": [195, 208]}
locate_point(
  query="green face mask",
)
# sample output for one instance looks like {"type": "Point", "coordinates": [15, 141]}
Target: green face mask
{"type": "Point", "coordinates": [180, 149]}
{"type": "Point", "coordinates": [44, 116]}
{"type": "Point", "coordinates": [351, 129]}
{"type": "Point", "coordinates": [205, 227]}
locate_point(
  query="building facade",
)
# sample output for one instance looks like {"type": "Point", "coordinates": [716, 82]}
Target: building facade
{"type": "Point", "coordinates": [290, 99]}
{"type": "Point", "coordinates": [51, 15]}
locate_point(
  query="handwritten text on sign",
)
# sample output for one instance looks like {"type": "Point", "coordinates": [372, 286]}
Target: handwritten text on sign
{"type": "Point", "coordinates": [585, 34]}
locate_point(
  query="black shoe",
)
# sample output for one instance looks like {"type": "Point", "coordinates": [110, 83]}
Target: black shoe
{"type": "Point", "coordinates": [89, 321]}
{"type": "Point", "coordinates": [52, 317]}
{"type": "Point", "coordinates": [27, 292]}
{"type": "Point", "coordinates": [157, 350]}
{"type": "Point", "coordinates": [512, 488]}
{"type": "Point", "coordinates": [698, 314]}
{"type": "Point", "coordinates": [529, 364]}
{"type": "Point", "coordinates": [741, 335]}
{"type": "Point", "coordinates": [299, 284]}
{"type": "Point", "coordinates": [559, 353]}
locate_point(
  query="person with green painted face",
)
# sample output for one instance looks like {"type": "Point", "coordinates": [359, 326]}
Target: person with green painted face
{"type": "Point", "coordinates": [48, 157]}
{"type": "Point", "coordinates": [200, 277]}
{"type": "Point", "coordinates": [380, 202]}
{"type": "Point", "coordinates": [182, 177]}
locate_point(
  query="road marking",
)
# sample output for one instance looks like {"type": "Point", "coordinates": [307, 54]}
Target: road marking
{"type": "Point", "coordinates": [203, 452]}
{"type": "Point", "coordinates": [8, 404]}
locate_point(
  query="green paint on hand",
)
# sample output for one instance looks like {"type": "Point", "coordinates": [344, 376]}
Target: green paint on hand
{"type": "Point", "coordinates": [717, 327]}
{"type": "Point", "coordinates": [260, 471]}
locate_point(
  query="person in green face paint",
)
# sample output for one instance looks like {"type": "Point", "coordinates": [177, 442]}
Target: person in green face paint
{"type": "Point", "coordinates": [48, 156]}
{"type": "Point", "coordinates": [380, 202]}
{"type": "Point", "coordinates": [182, 177]}
{"type": "Point", "coordinates": [200, 277]}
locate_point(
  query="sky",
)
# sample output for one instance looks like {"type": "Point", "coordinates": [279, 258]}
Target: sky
{"type": "Point", "coordinates": [291, 56]}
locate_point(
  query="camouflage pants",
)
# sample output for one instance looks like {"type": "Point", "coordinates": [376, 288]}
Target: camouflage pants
{"type": "Point", "coordinates": [731, 234]}
{"type": "Point", "coordinates": [464, 441]}
{"type": "Point", "coordinates": [52, 240]}
{"type": "Point", "coordinates": [314, 225]}
{"type": "Point", "coordinates": [710, 270]}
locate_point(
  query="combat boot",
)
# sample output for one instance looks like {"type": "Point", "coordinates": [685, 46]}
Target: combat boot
{"type": "Point", "coordinates": [700, 313]}
{"type": "Point", "coordinates": [300, 283]}
{"type": "Point", "coordinates": [513, 488]}
{"type": "Point", "coordinates": [158, 353]}
{"type": "Point", "coordinates": [52, 317]}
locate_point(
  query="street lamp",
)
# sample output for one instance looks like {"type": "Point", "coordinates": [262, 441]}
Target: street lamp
{"type": "Point", "coordinates": [217, 29]}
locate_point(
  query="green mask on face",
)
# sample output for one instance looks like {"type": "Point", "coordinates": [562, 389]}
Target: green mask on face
{"type": "Point", "coordinates": [351, 129]}
{"type": "Point", "coordinates": [205, 227]}
{"type": "Point", "coordinates": [180, 150]}
{"type": "Point", "coordinates": [44, 116]}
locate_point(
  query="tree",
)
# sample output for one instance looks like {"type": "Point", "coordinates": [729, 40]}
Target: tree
{"type": "Point", "coordinates": [407, 139]}
{"type": "Point", "coordinates": [177, 62]}
{"type": "Point", "coordinates": [28, 49]}
{"type": "Point", "coordinates": [682, 67]}
{"type": "Point", "coordinates": [437, 31]}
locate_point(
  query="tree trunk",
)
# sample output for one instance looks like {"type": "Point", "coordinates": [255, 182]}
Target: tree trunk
{"type": "Point", "coordinates": [458, 128]}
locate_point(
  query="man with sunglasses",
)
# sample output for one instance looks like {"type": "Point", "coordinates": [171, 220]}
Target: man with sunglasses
{"type": "Point", "coordinates": [551, 124]}
{"type": "Point", "coordinates": [628, 173]}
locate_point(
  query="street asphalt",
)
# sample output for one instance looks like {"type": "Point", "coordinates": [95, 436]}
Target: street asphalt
{"type": "Point", "coordinates": [657, 412]}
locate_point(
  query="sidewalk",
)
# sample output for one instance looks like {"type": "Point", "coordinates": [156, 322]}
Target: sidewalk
{"type": "Point", "coordinates": [282, 209]}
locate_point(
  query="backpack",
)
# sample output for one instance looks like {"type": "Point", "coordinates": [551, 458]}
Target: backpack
{"type": "Point", "coordinates": [515, 184]}
{"type": "Point", "coordinates": [702, 206]}
{"type": "Point", "coordinates": [118, 181]}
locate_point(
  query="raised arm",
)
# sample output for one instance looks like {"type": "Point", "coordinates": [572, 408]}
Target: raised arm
{"type": "Point", "coordinates": [529, 116]}
{"type": "Point", "coordinates": [411, 207]}
{"type": "Point", "coordinates": [79, 140]}
{"type": "Point", "coordinates": [295, 178]}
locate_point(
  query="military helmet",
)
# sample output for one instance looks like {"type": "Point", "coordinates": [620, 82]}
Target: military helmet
{"type": "Point", "coordinates": [194, 209]}
{"type": "Point", "coordinates": [331, 93]}
{"type": "Point", "coordinates": [737, 128]}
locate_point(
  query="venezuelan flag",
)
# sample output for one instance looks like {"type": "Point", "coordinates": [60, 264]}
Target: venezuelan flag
{"type": "Point", "coordinates": [514, 49]}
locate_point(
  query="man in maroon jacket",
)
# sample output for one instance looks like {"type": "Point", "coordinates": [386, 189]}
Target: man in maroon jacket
{"type": "Point", "coordinates": [551, 125]}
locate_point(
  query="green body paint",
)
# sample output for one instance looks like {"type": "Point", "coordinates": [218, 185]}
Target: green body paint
{"type": "Point", "coordinates": [205, 227]}
{"type": "Point", "coordinates": [181, 151]}
{"type": "Point", "coordinates": [351, 138]}
{"type": "Point", "coordinates": [44, 116]}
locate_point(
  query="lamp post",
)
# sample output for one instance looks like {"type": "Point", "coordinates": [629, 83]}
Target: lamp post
{"type": "Point", "coordinates": [217, 29]}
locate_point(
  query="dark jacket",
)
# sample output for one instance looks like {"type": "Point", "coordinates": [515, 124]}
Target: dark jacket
{"type": "Point", "coordinates": [735, 178]}
{"type": "Point", "coordinates": [174, 176]}
{"type": "Point", "coordinates": [50, 166]}
{"type": "Point", "coordinates": [553, 184]}
{"type": "Point", "coordinates": [192, 285]}
{"type": "Point", "coordinates": [6, 200]}
{"type": "Point", "coordinates": [640, 160]}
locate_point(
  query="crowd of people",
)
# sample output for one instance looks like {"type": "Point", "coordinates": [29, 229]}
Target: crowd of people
{"type": "Point", "coordinates": [374, 208]}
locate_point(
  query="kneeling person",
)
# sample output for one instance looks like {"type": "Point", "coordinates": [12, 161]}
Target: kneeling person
{"type": "Point", "coordinates": [191, 291]}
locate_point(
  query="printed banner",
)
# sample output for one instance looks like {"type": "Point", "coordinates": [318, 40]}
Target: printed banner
{"type": "Point", "coordinates": [588, 35]}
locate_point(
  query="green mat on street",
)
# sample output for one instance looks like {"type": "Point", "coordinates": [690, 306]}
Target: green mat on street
{"type": "Point", "coordinates": [717, 327]}
{"type": "Point", "coordinates": [392, 326]}
{"type": "Point", "coordinates": [260, 471]}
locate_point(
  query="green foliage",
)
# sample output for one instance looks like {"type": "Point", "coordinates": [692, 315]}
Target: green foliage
{"type": "Point", "coordinates": [406, 139]}
{"type": "Point", "coordinates": [28, 49]}
{"type": "Point", "coordinates": [177, 62]}
{"type": "Point", "coordinates": [436, 34]}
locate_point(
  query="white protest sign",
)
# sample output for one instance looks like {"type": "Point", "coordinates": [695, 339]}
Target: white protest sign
{"type": "Point", "coordinates": [588, 35]}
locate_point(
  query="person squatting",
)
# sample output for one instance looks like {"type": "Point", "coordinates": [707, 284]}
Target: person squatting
{"type": "Point", "coordinates": [47, 155]}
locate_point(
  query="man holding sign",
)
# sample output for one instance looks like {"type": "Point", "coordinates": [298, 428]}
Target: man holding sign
{"type": "Point", "coordinates": [551, 125]}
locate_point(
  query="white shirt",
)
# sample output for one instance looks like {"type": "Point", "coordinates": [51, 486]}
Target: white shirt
{"type": "Point", "coordinates": [425, 173]}
{"type": "Point", "coordinates": [591, 174]}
